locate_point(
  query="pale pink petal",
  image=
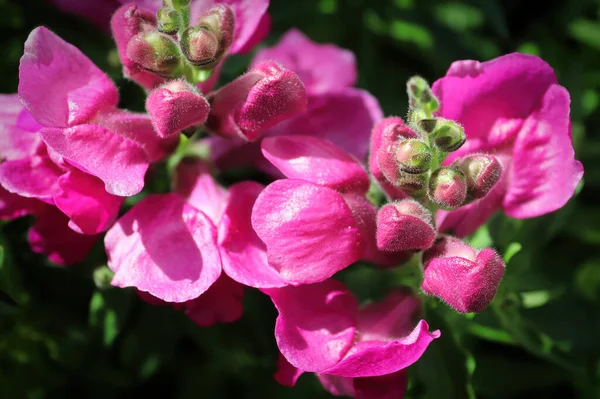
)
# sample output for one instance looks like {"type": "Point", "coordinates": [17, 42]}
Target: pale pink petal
{"type": "Point", "coordinates": [194, 182]}
{"type": "Point", "coordinates": [119, 162]}
{"type": "Point", "coordinates": [222, 303]}
{"type": "Point", "coordinates": [309, 230]}
{"type": "Point", "coordinates": [545, 172]}
{"type": "Point", "coordinates": [58, 84]}
{"type": "Point", "coordinates": [138, 127]}
{"type": "Point", "coordinates": [164, 247]}
{"type": "Point", "coordinates": [316, 160]}
{"type": "Point", "coordinates": [17, 130]}
{"type": "Point", "coordinates": [336, 66]}
{"type": "Point", "coordinates": [51, 236]}
{"type": "Point", "coordinates": [477, 94]}
{"type": "Point", "coordinates": [286, 374]}
{"type": "Point", "coordinates": [83, 199]}
{"type": "Point", "coordinates": [244, 255]}
{"type": "Point", "coordinates": [316, 323]}
{"type": "Point", "coordinates": [375, 358]}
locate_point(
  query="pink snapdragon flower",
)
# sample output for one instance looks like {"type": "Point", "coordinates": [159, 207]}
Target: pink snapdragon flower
{"type": "Point", "coordinates": [360, 352]}
{"type": "Point", "coordinates": [513, 108]}
{"type": "Point", "coordinates": [335, 110]}
{"type": "Point", "coordinates": [252, 24]}
{"type": "Point", "coordinates": [317, 221]}
{"type": "Point", "coordinates": [175, 246]}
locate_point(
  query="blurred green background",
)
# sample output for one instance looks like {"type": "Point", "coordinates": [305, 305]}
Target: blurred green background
{"type": "Point", "coordinates": [540, 338]}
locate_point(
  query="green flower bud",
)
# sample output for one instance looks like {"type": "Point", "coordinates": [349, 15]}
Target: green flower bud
{"type": "Point", "coordinates": [448, 136]}
{"type": "Point", "coordinates": [413, 156]}
{"type": "Point", "coordinates": [169, 21]}
{"type": "Point", "coordinates": [156, 52]}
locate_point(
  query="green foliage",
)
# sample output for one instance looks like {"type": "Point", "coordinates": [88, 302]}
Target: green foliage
{"type": "Point", "coordinates": [61, 335]}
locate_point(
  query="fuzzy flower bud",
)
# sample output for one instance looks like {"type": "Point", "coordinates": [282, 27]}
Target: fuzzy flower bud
{"type": "Point", "coordinates": [176, 106]}
{"type": "Point", "coordinates": [413, 156]}
{"type": "Point", "coordinates": [464, 278]}
{"type": "Point", "coordinates": [404, 225]}
{"type": "Point", "coordinates": [420, 94]}
{"type": "Point", "coordinates": [256, 101]}
{"type": "Point", "coordinates": [448, 136]}
{"type": "Point", "coordinates": [169, 21]}
{"type": "Point", "coordinates": [448, 187]}
{"type": "Point", "coordinates": [156, 52]}
{"type": "Point", "coordinates": [413, 185]}
{"type": "Point", "coordinates": [482, 172]}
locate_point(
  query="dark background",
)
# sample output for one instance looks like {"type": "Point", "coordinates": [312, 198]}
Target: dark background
{"type": "Point", "coordinates": [539, 339]}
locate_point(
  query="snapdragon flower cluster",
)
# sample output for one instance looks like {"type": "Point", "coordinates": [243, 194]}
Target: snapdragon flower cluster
{"type": "Point", "coordinates": [486, 137]}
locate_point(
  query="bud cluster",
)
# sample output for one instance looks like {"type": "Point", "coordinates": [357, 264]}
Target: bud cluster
{"type": "Point", "coordinates": [172, 48]}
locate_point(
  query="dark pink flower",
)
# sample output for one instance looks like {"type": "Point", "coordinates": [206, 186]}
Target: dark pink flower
{"type": "Point", "coordinates": [511, 107]}
{"type": "Point", "coordinates": [360, 352]}
{"type": "Point", "coordinates": [464, 278]}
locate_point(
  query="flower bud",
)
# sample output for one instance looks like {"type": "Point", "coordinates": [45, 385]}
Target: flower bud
{"type": "Point", "coordinates": [427, 125]}
{"type": "Point", "coordinates": [448, 187]}
{"type": "Point", "coordinates": [413, 156]}
{"type": "Point", "coordinates": [464, 278]}
{"type": "Point", "coordinates": [413, 185]}
{"type": "Point", "coordinates": [156, 52]}
{"type": "Point", "coordinates": [404, 225]}
{"type": "Point", "coordinates": [200, 46]}
{"type": "Point", "coordinates": [256, 101]}
{"type": "Point", "coordinates": [176, 106]}
{"type": "Point", "coordinates": [448, 136]}
{"type": "Point", "coordinates": [169, 21]}
{"type": "Point", "coordinates": [420, 94]}
{"type": "Point", "coordinates": [102, 277]}
{"type": "Point", "coordinates": [176, 4]}
{"type": "Point", "coordinates": [482, 172]}
{"type": "Point", "coordinates": [416, 115]}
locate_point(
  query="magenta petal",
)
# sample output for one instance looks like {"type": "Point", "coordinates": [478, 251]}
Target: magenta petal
{"type": "Point", "coordinates": [545, 172]}
{"type": "Point", "coordinates": [82, 197]}
{"type": "Point", "coordinates": [337, 386]}
{"type": "Point", "coordinates": [119, 162]}
{"type": "Point", "coordinates": [244, 255]}
{"type": "Point", "coordinates": [248, 17]}
{"type": "Point", "coordinates": [477, 94]}
{"type": "Point", "coordinates": [309, 230]}
{"type": "Point", "coordinates": [316, 323]}
{"type": "Point", "coordinates": [174, 107]}
{"type": "Point", "coordinates": [389, 386]}
{"type": "Point", "coordinates": [261, 32]}
{"type": "Point", "coordinates": [51, 236]}
{"type": "Point", "coordinates": [13, 206]}
{"type": "Point", "coordinates": [286, 374]}
{"type": "Point", "coordinates": [222, 303]}
{"type": "Point", "coordinates": [17, 140]}
{"type": "Point", "coordinates": [58, 84]}
{"type": "Point", "coordinates": [316, 160]}
{"type": "Point", "coordinates": [403, 226]}
{"type": "Point", "coordinates": [97, 12]}
{"type": "Point", "coordinates": [194, 182]}
{"type": "Point", "coordinates": [35, 177]}
{"type": "Point", "coordinates": [336, 66]}
{"type": "Point", "coordinates": [164, 247]}
{"type": "Point", "coordinates": [375, 358]}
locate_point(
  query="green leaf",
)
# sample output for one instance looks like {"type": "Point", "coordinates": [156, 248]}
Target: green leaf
{"type": "Point", "coordinates": [586, 31]}
{"type": "Point", "coordinates": [411, 32]}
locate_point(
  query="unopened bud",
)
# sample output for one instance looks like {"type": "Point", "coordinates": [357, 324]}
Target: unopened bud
{"type": "Point", "coordinates": [448, 187]}
{"type": "Point", "coordinates": [102, 277]}
{"type": "Point", "coordinates": [464, 278]}
{"type": "Point", "coordinates": [156, 52]}
{"type": "Point", "coordinates": [200, 46]}
{"type": "Point", "coordinates": [416, 115]}
{"type": "Point", "coordinates": [420, 94]}
{"type": "Point", "coordinates": [413, 185]}
{"type": "Point", "coordinates": [413, 156]}
{"type": "Point", "coordinates": [169, 21]}
{"type": "Point", "coordinates": [448, 136]}
{"type": "Point", "coordinates": [404, 225]}
{"type": "Point", "coordinates": [482, 172]}
{"type": "Point", "coordinates": [176, 106]}
{"type": "Point", "coordinates": [427, 125]}
{"type": "Point", "coordinates": [416, 86]}
{"type": "Point", "coordinates": [176, 4]}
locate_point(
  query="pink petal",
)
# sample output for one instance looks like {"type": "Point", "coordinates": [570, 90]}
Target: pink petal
{"type": "Point", "coordinates": [545, 172]}
{"type": "Point", "coordinates": [390, 319]}
{"type": "Point", "coordinates": [51, 236]}
{"type": "Point", "coordinates": [403, 226]}
{"type": "Point", "coordinates": [119, 162]}
{"type": "Point", "coordinates": [13, 206]}
{"type": "Point", "coordinates": [286, 374]}
{"type": "Point", "coordinates": [59, 85]}
{"type": "Point", "coordinates": [222, 303]}
{"type": "Point", "coordinates": [82, 197]}
{"type": "Point", "coordinates": [477, 94]}
{"type": "Point", "coordinates": [308, 229]}
{"type": "Point", "coordinates": [138, 127]}
{"type": "Point", "coordinates": [194, 182]}
{"type": "Point", "coordinates": [389, 386]}
{"type": "Point", "coordinates": [336, 66]}
{"type": "Point", "coordinates": [175, 107]}
{"type": "Point", "coordinates": [316, 160]}
{"type": "Point", "coordinates": [337, 386]}
{"type": "Point", "coordinates": [17, 139]}
{"type": "Point", "coordinates": [344, 118]}
{"type": "Point", "coordinates": [261, 32]}
{"type": "Point", "coordinates": [97, 12]}
{"type": "Point", "coordinates": [375, 358]}
{"type": "Point", "coordinates": [244, 255]}
{"type": "Point", "coordinates": [316, 323]}
{"type": "Point", "coordinates": [164, 247]}
{"type": "Point", "coordinates": [248, 18]}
